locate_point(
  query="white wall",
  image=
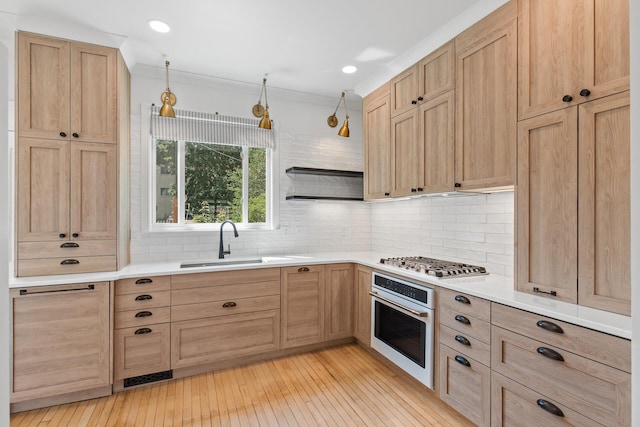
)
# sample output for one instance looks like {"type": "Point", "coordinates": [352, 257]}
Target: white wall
{"type": "Point", "coordinates": [303, 139]}
{"type": "Point", "coordinates": [477, 229]}
{"type": "Point", "coordinates": [5, 240]}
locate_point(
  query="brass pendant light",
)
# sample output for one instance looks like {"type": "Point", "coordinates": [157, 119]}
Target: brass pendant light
{"type": "Point", "coordinates": [258, 109]}
{"type": "Point", "coordinates": [265, 122]}
{"type": "Point", "coordinates": [168, 98]}
{"type": "Point", "coordinates": [332, 120]}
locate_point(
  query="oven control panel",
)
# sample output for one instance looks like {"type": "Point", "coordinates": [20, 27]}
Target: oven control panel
{"type": "Point", "coordinates": [402, 288]}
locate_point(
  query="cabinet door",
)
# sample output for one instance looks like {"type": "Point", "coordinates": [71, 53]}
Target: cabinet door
{"type": "Point", "coordinates": [197, 342]}
{"type": "Point", "coordinates": [437, 133]}
{"type": "Point", "coordinates": [486, 102]}
{"type": "Point", "coordinates": [338, 303]}
{"type": "Point", "coordinates": [141, 350]}
{"type": "Point", "coordinates": [404, 91]}
{"type": "Point", "coordinates": [436, 72]}
{"type": "Point", "coordinates": [377, 145]}
{"type": "Point", "coordinates": [547, 197]}
{"type": "Point", "coordinates": [93, 191]}
{"type": "Point", "coordinates": [60, 340]}
{"type": "Point", "coordinates": [604, 279]}
{"type": "Point", "coordinates": [362, 329]}
{"type": "Point", "coordinates": [303, 296]}
{"type": "Point", "coordinates": [43, 87]}
{"type": "Point", "coordinates": [93, 93]}
{"type": "Point", "coordinates": [465, 385]}
{"type": "Point", "coordinates": [406, 154]}
{"type": "Point", "coordinates": [43, 190]}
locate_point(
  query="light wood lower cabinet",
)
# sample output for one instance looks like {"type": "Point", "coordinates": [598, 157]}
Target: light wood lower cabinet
{"type": "Point", "coordinates": [362, 328]}
{"type": "Point", "coordinates": [61, 340]}
{"type": "Point", "coordinates": [338, 303]}
{"type": "Point", "coordinates": [141, 350]}
{"type": "Point", "coordinates": [513, 404]}
{"type": "Point", "coordinates": [465, 385]}
{"type": "Point", "coordinates": [303, 298]}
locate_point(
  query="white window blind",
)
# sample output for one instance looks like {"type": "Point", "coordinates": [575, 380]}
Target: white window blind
{"type": "Point", "coordinates": [210, 128]}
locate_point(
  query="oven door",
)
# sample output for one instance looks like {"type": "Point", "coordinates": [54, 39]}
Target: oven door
{"type": "Point", "coordinates": [403, 333]}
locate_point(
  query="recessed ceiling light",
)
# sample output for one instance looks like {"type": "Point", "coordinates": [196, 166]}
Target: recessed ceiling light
{"type": "Point", "coordinates": [159, 26]}
{"type": "Point", "coordinates": [349, 69]}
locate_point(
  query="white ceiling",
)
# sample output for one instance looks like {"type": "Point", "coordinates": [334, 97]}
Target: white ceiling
{"type": "Point", "coordinates": [301, 45]}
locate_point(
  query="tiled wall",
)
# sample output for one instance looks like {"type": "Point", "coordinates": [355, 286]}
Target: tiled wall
{"type": "Point", "coordinates": [477, 229]}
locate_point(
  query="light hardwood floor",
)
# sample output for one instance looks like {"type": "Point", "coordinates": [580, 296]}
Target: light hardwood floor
{"type": "Point", "coordinates": [339, 386]}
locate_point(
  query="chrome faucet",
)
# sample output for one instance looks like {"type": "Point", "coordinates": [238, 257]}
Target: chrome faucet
{"type": "Point", "coordinates": [222, 252]}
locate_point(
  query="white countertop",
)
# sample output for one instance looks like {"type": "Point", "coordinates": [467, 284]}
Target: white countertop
{"type": "Point", "coordinates": [491, 287]}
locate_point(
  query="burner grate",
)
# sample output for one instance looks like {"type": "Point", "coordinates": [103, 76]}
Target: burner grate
{"type": "Point", "coordinates": [435, 267]}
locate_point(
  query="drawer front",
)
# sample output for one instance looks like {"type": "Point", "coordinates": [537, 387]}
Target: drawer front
{"type": "Point", "coordinates": [196, 342]}
{"type": "Point", "coordinates": [465, 388]}
{"type": "Point", "coordinates": [466, 345]}
{"type": "Point", "coordinates": [137, 285]}
{"type": "Point", "coordinates": [604, 348]}
{"type": "Point", "coordinates": [225, 293]}
{"type": "Point", "coordinates": [138, 318]}
{"type": "Point", "coordinates": [218, 308]}
{"type": "Point", "coordinates": [516, 405]}
{"type": "Point", "coordinates": [66, 249]}
{"type": "Point", "coordinates": [44, 267]}
{"type": "Point", "coordinates": [224, 278]}
{"type": "Point", "coordinates": [141, 353]}
{"type": "Point", "coordinates": [143, 300]}
{"type": "Point", "coordinates": [466, 324]}
{"type": "Point", "coordinates": [465, 304]}
{"type": "Point", "coordinates": [597, 391]}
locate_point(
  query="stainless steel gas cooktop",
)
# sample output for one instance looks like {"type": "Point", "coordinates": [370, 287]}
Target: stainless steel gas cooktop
{"type": "Point", "coordinates": [434, 267]}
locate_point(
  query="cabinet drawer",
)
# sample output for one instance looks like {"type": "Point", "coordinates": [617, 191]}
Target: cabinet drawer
{"type": "Point", "coordinates": [465, 304]}
{"type": "Point", "coordinates": [516, 405]}
{"type": "Point", "coordinates": [44, 267]}
{"type": "Point", "coordinates": [137, 285]}
{"type": "Point", "coordinates": [465, 388]}
{"type": "Point", "coordinates": [66, 249]}
{"type": "Point", "coordinates": [225, 292]}
{"type": "Point", "coordinates": [475, 349]}
{"type": "Point", "coordinates": [137, 318]}
{"type": "Point", "coordinates": [604, 348]}
{"type": "Point", "coordinates": [597, 391]}
{"type": "Point", "coordinates": [197, 342]}
{"type": "Point", "coordinates": [142, 300]}
{"type": "Point", "coordinates": [144, 352]}
{"type": "Point", "coordinates": [466, 324]}
{"type": "Point", "coordinates": [223, 278]}
{"type": "Point", "coordinates": [218, 308]}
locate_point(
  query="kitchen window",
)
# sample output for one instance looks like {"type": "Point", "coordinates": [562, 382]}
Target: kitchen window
{"type": "Point", "coordinates": [210, 168]}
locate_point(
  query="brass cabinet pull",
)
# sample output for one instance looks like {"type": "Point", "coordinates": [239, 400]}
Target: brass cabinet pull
{"type": "Point", "coordinates": [70, 245]}
{"type": "Point", "coordinates": [303, 269]}
{"type": "Point", "coordinates": [70, 262]}
{"type": "Point", "coordinates": [143, 331]}
{"type": "Point", "coordinates": [144, 281]}
{"type": "Point", "coordinates": [143, 297]}
{"type": "Point", "coordinates": [144, 314]}
{"type": "Point", "coordinates": [229, 304]}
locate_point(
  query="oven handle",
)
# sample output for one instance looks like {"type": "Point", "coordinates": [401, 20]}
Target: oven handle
{"type": "Point", "coordinates": [400, 306]}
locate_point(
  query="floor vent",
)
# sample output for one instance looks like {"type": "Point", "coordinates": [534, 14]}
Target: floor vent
{"type": "Point", "coordinates": [149, 378]}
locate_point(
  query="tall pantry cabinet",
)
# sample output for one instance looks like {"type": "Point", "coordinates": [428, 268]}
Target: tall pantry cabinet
{"type": "Point", "coordinates": [573, 152]}
{"type": "Point", "coordinates": [73, 131]}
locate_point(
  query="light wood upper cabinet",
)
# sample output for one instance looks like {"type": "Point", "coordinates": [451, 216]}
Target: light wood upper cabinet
{"type": "Point", "coordinates": [60, 340]}
{"type": "Point", "coordinates": [377, 144]}
{"type": "Point", "coordinates": [66, 90]}
{"type": "Point", "coordinates": [339, 301]}
{"type": "Point", "coordinates": [432, 76]}
{"type": "Point", "coordinates": [571, 52]}
{"type": "Point", "coordinates": [547, 197]}
{"type": "Point", "coordinates": [407, 152]}
{"type": "Point", "coordinates": [43, 175]}
{"type": "Point", "coordinates": [604, 245]}
{"type": "Point", "coordinates": [93, 190]}
{"type": "Point", "coordinates": [437, 134]}
{"type": "Point", "coordinates": [302, 305]}
{"type": "Point", "coordinates": [486, 102]}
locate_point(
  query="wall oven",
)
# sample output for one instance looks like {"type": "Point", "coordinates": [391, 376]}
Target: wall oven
{"type": "Point", "coordinates": [402, 325]}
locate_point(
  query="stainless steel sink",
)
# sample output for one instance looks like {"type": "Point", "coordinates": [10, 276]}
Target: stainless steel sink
{"type": "Point", "coordinates": [221, 262]}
